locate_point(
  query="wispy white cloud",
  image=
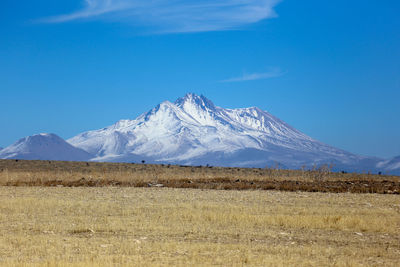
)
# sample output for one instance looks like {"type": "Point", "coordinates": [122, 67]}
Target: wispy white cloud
{"type": "Point", "coordinates": [272, 73]}
{"type": "Point", "coordinates": [93, 8]}
{"type": "Point", "coordinates": [175, 15]}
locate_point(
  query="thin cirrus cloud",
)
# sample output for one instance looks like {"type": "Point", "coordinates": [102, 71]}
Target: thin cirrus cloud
{"type": "Point", "coordinates": [274, 72]}
{"type": "Point", "coordinates": [167, 16]}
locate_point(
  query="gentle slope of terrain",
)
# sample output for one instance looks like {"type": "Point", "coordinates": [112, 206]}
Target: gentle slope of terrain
{"type": "Point", "coordinates": [390, 165]}
{"type": "Point", "coordinates": [44, 147]}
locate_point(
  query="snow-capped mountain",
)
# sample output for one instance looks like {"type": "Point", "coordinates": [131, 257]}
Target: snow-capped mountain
{"type": "Point", "coordinates": [192, 130]}
{"type": "Point", "coordinates": [44, 147]}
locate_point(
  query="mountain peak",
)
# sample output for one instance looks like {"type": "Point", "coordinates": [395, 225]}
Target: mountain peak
{"type": "Point", "coordinates": [45, 147]}
{"type": "Point", "coordinates": [42, 137]}
{"type": "Point", "coordinates": [193, 99]}
{"type": "Point", "coordinates": [45, 135]}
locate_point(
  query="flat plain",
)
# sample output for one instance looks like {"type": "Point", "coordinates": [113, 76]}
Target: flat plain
{"type": "Point", "coordinates": [89, 174]}
{"type": "Point", "coordinates": [101, 224]}
{"type": "Point", "coordinates": [162, 226]}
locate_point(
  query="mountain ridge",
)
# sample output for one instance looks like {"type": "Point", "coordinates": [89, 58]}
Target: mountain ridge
{"type": "Point", "coordinates": [194, 131]}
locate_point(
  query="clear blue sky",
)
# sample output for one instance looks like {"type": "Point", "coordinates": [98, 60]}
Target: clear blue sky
{"type": "Point", "coordinates": [329, 68]}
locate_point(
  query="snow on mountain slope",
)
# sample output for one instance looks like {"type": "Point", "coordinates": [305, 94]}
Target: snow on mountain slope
{"type": "Point", "coordinates": [44, 147]}
{"type": "Point", "coordinates": [395, 163]}
{"type": "Point", "coordinates": [192, 130]}
{"type": "Point", "coordinates": [392, 165]}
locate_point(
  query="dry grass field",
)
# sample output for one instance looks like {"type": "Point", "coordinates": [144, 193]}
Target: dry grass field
{"type": "Point", "coordinates": [103, 226]}
{"type": "Point", "coordinates": [104, 214]}
{"type": "Point", "coordinates": [89, 174]}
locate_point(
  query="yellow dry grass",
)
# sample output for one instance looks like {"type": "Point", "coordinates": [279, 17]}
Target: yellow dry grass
{"type": "Point", "coordinates": [160, 226]}
{"type": "Point", "coordinates": [34, 170]}
{"type": "Point", "coordinates": [89, 174]}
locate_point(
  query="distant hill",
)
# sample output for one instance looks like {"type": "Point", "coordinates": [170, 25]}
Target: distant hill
{"type": "Point", "coordinates": [44, 147]}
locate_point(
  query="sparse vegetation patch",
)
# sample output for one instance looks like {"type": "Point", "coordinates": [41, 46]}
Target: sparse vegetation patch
{"type": "Point", "coordinates": [76, 174]}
